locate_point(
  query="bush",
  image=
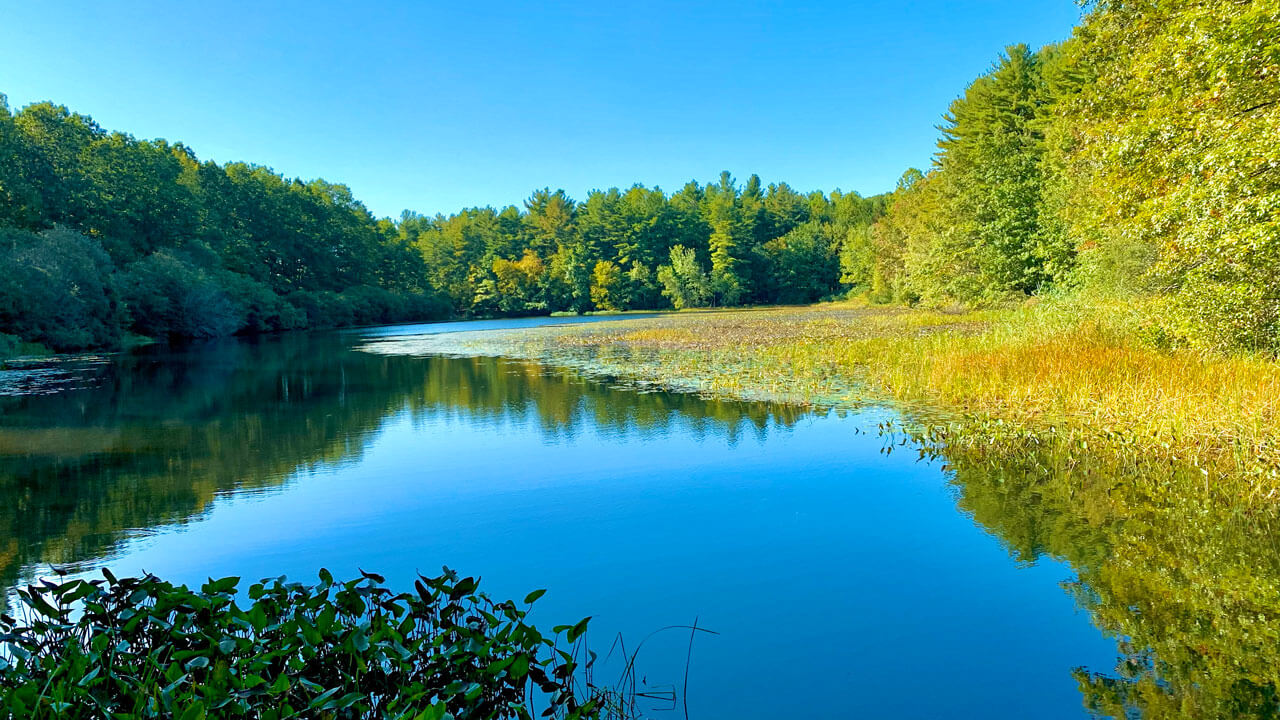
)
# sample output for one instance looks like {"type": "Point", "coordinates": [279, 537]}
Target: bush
{"type": "Point", "coordinates": [57, 289]}
{"type": "Point", "coordinates": [170, 297]}
{"type": "Point", "coordinates": [144, 648]}
{"type": "Point", "coordinates": [259, 307]}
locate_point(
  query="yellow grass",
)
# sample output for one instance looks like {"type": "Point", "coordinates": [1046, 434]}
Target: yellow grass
{"type": "Point", "coordinates": [1072, 368]}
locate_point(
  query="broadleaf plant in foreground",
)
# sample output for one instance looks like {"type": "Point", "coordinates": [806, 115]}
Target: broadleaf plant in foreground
{"type": "Point", "coordinates": [132, 648]}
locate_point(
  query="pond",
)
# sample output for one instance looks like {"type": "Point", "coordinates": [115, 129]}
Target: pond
{"type": "Point", "coordinates": [844, 574]}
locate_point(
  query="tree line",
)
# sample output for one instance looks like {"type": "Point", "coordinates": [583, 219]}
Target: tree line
{"type": "Point", "coordinates": [103, 235]}
{"type": "Point", "coordinates": [1137, 159]}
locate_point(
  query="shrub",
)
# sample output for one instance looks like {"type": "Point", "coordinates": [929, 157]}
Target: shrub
{"type": "Point", "coordinates": [170, 297]}
{"type": "Point", "coordinates": [144, 648]}
{"type": "Point", "coordinates": [56, 288]}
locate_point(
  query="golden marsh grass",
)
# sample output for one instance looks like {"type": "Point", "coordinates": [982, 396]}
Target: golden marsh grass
{"type": "Point", "coordinates": [1067, 370]}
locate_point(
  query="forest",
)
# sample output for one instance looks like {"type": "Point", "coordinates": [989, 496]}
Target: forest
{"type": "Point", "coordinates": [104, 237]}
{"type": "Point", "coordinates": [1138, 159]}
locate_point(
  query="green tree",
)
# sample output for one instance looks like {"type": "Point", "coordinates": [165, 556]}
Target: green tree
{"type": "Point", "coordinates": [58, 288]}
{"type": "Point", "coordinates": [684, 282]}
{"type": "Point", "coordinates": [609, 286]}
{"type": "Point", "coordinates": [1165, 149]}
{"type": "Point", "coordinates": [804, 262]}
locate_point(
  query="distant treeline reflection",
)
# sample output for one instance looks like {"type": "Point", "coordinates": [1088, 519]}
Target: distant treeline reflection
{"type": "Point", "coordinates": [158, 435]}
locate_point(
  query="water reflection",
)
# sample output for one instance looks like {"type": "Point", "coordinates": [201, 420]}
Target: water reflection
{"type": "Point", "coordinates": [1186, 583]}
{"type": "Point", "coordinates": [151, 438]}
{"type": "Point", "coordinates": [843, 580]}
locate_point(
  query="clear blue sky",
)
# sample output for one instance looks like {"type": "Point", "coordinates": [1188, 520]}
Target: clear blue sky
{"type": "Point", "coordinates": [435, 106]}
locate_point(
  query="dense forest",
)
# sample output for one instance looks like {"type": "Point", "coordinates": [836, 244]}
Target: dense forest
{"type": "Point", "coordinates": [1139, 159]}
{"type": "Point", "coordinates": [1136, 159]}
{"type": "Point", "coordinates": [103, 235]}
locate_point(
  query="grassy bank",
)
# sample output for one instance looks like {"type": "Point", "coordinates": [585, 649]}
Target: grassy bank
{"type": "Point", "coordinates": [11, 346]}
{"type": "Point", "coordinates": [1084, 378]}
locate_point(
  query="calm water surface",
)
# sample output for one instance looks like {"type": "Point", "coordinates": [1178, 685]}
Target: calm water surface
{"type": "Point", "coordinates": [843, 581]}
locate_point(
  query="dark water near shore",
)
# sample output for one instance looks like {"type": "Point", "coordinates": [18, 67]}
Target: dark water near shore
{"type": "Point", "coordinates": [843, 581]}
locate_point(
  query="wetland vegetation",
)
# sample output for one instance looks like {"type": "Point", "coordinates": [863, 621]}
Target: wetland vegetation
{"type": "Point", "coordinates": [1066, 329]}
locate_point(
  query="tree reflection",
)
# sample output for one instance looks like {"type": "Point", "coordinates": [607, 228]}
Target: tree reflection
{"type": "Point", "coordinates": [1187, 582]}
{"type": "Point", "coordinates": [158, 435]}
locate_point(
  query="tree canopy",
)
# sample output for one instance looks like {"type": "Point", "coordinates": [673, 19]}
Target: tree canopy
{"type": "Point", "coordinates": [1139, 157]}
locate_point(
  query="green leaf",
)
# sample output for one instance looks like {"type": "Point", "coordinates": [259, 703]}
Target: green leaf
{"type": "Point", "coordinates": [577, 630]}
{"type": "Point", "coordinates": [349, 699]}
{"type": "Point", "coordinates": [321, 699]}
{"type": "Point", "coordinates": [360, 641]}
{"type": "Point", "coordinates": [89, 676]}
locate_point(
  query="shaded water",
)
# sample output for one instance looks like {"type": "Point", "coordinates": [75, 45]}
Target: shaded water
{"type": "Point", "coordinates": [843, 581]}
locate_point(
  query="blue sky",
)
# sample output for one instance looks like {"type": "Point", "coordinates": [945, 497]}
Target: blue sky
{"type": "Point", "coordinates": [438, 106]}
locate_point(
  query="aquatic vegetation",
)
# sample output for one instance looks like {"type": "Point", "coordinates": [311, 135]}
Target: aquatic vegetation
{"type": "Point", "coordinates": [1065, 373]}
{"type": "Point", "coordinates": [144, 648]}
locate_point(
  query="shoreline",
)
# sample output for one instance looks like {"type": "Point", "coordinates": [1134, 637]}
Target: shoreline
{"type": "Point", "coordinates": [1071, 375]}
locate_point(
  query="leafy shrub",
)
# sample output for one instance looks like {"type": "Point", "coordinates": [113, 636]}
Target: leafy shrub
{"type": "Point", "coordinates": [134, 648]}
{"type": "Point", "coordinates": [56, 288]}
{"type": "Point", "coordinates": [170, 297]}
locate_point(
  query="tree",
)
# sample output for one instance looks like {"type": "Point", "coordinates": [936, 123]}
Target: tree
{"type": "Point", "coordinates": [991, 147]}
{"type": "Point", "coordinates": [168, 297]}
{"type": "Point", "coordinates": [684, 282]}
{"type": "Point", "coordinates": [519, 283]}
{"type": "Point", "coordinates": [804, 262]}
{"type": "Point", "coordinates": [727, 241]}
{"type": "Point", "coordinates": [1164, 148]}
{"type": "Point", "coordinates": [57, 288]}
{"type": "Point", "coordinates": [609, 287]}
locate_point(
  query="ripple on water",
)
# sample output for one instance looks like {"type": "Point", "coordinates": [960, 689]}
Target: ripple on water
{"type": "Point", "coordinates": [46, 376]}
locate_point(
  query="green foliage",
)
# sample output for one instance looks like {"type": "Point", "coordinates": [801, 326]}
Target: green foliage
{"type": "Point", "coordinates": [804, 262]}
{"type": "Point", "coordinates": [971, 229]}
{"type": "Point", "coordinates": [143, 648]}
{"type": "Point", "coordinates": [58, 288]}
{"type": "Point", "coordinates": [202, 250]}
{"type": "Point", "coordinates": [684, 282]}
{"type": "Point", "coordinates": [857, 259]}
{"type": "Point", "coordinates": [170, 297]}
{"type": "Point", "coordinates": [139, 236]}
{"type": "Point", "coordinates": [1171, 143]}
{"type": "Point", "coordinates": [1137, 158]}
{"type": "Point", "coordinates": [519, 283]}
{"type": "Point", "coordinates": [609, 286]}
